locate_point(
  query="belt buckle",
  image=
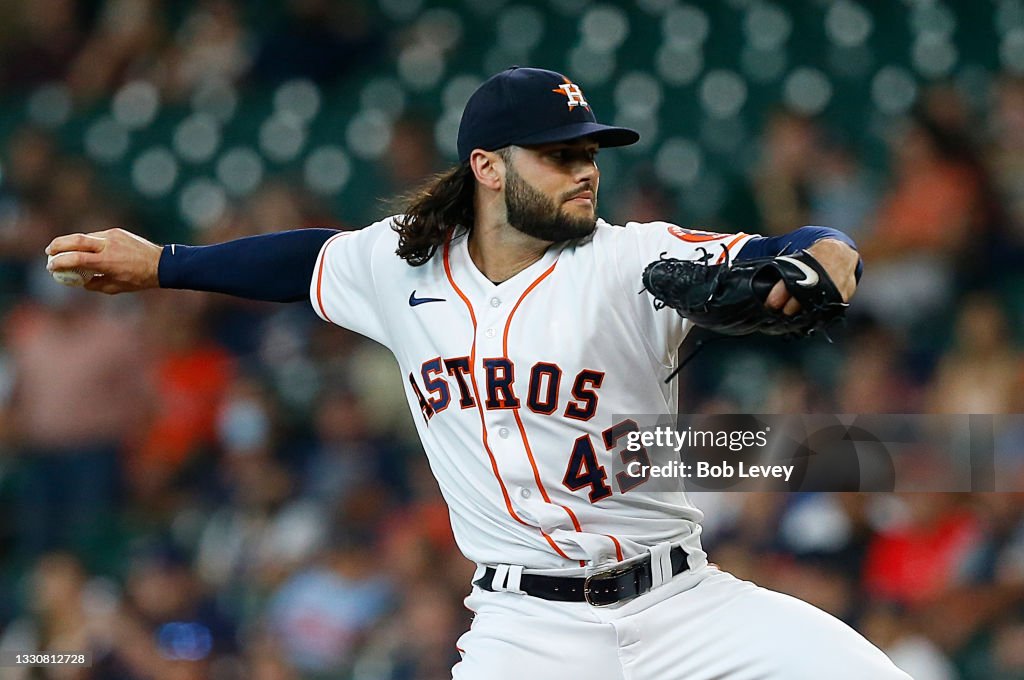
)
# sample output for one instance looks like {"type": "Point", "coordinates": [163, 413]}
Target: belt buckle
{"type": "Point", "coordinates": [601, 576]}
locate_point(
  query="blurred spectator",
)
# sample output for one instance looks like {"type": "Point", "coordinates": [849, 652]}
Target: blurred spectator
{"type": "Point", "coordinates": [646, 199]}
{"type": "Point", "coordinates": [917, 557]}
{"type": "Point", "coordinates": [1008, 651]}
{"type": "Point", "coordinates": [946, 105]}
{"type": "Point", "coordinates": [379, 388]}
{"type": "Point", "coordinates": [369, 371]}
{"type": "Point", "coordinates": [814, 554]}
{"type": "Point", "coordinates": [754, 519]}
{"type": "Point", "coordinates": [30, 161]}
{"type": "Point", "coordinates": [261, 531]}
{"type": "Point", "coordinates": [318, 39]}
{"type": "Point", "coordinates": [938, 211]}
{"type": "Point", "coordinates": [73, 195]}
{"type": "Point", "coordinates": [419, 533]}
{"type": "Point", "coordinates": [265, 659]}
{"type": "Point", "coordinates": [830, 529]}
{"type": "Point", "coordinates": [345, 457]}
{"type": "Point", "coordinates": [874, 377]}
{"type": "Point", "coordinates": [983, 372]}
{"type": "Point", "coordinates": [805, 175]}
{"type": "Point", "coordinates": [166, 627]}
{"type": "Point", "coordinates": [419, 641]}
{"type": "Point", "coordinates": [417, 537]}
{"type": "Point", "coordinates": [44, 38]}
{"type": "Point", "coordinates": [913, 652]}
{"type": "Point", "coordinates": [125, 44]}
{"type": "Point", "coordinates": [45, 194]}
{"type": "Point", "coordinates": [190, 376]}
{"type": "Point", "coordinates": [211, 44]}
{"type": "Point", "coordinates": [1007, 545]}
{"type": "Point", "coordinates": [323, 613]}
{"type": "Point", "coordinates": [411, 156]}
{"type": "Point", "coordinates": [936, 203]}
{"type": "Point", "coordinates": [793, 393]}
{"type": "Point", "coordinates": [58, 614]}
{"type": "Point", "coordinates": [816, 583]}
{"type": "Point", "coordinates": [989, 590]}
{"type": "Point", "coordinates": [26, 225]}
{"type": "Point", "coordinates": [80, 390]}
{"type": "Point", "coordinates": [787, 164]}
{"type": "Point", "coordinates": [842, 193]}
{"type": "Point", "coordinates": [1006, 150]}
{"type": "Point", "coordinates": [273, 207]}
{"type": "Point", "coordinates": [991, 246]}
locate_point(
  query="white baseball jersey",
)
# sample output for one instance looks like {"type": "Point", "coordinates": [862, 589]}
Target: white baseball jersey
{"type": "Point", "coordinates": [514, 387]}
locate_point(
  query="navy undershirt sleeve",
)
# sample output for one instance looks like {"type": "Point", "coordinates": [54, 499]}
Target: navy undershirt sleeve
{"type": "Point", "coordinates": [793, 242]}
{"type": "Point", "coordinates": [275, 267]}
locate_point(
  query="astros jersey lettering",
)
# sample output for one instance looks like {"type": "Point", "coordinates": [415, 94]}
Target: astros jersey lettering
{"type": "Point", "coordinates": [514, 387]}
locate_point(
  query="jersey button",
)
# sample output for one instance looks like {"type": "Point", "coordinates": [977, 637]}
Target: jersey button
{"type": "Point", "coordinates": [503, 433]}
{"type": "Point", "coordinates": [525, 493]}
{"type": "Point", "coordinates": [490, 332]}
{"type": "Point", "coordinates": [495, 302]}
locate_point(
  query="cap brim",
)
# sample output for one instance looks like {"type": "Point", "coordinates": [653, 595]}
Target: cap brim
{"type": "Point", "coordinates": [604, 135]}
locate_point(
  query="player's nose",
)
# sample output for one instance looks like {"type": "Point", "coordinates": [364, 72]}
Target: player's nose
{"type": "Point", "coordinates": [587, 172]}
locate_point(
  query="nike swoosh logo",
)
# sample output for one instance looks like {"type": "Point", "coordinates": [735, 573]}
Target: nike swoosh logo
{"type": "Point", "coordinates": [810, 276]}
{"type": "Point", "coordinates": [413, 300]}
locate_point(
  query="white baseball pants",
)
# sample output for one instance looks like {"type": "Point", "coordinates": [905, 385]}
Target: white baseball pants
{"type": "Point", "coordinates": [702, 625]}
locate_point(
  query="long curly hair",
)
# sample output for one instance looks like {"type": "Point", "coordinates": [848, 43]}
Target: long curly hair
{"type": "Point", "coordinates": [441, 204]}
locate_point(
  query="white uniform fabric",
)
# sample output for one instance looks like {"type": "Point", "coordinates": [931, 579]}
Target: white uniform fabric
{"type": "Point", "coordinates": [705, 625]}
{"type": "Point", "coordinates": [514, 388]}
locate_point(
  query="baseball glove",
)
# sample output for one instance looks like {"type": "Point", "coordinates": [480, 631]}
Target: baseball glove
{"type": "Point", "coordinates": [729, 298]}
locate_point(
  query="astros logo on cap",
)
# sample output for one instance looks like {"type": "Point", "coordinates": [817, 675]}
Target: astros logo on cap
{"type": "Point", "coordinates": [573, 93]}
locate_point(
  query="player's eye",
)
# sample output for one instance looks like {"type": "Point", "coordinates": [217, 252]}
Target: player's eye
{"type": "Point", "coordinates": [568, 155]}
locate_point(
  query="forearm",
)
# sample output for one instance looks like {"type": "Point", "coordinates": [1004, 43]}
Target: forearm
{"type": "Point", "coordinates": [794, 242]}
{"type": "Point", "coordinates": [274, 267]}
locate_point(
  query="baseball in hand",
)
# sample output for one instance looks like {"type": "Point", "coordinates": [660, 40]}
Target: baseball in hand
{"type": "Point", "coordinates": [70, 277]}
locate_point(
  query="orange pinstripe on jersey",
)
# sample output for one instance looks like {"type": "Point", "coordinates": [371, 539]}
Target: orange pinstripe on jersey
{"type": "Point", "coordinates": [694, 235]}
{"type": "Point", "coordinates": [320, 275]}
{"type": "Point", "coordinates": [479, 402]}
{"type": "Point", "coordinates": [618, 548]}
{"type": "Point", "coordinates": [522, 428]}
{"type": "Point", "coordinates": [515, 412]}
{"type": "Point", "coordinates": [728, 248]}
{"type": "Point", "coordinates": [699, 238]}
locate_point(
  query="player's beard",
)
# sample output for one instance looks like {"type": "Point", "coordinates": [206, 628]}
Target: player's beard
{"type": "Point", "coordinates": [534, 214]}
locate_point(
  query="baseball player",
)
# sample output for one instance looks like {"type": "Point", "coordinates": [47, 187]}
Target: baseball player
{"type": "Point", "coordinates": [514, 316]}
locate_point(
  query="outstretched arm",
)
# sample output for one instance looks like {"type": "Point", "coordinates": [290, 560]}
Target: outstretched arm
{"type": "Point", "coordinates": [274, 267]}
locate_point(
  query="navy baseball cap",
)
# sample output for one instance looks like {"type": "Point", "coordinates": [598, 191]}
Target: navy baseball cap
{"type": "Point", "coordinates": [524, 106]}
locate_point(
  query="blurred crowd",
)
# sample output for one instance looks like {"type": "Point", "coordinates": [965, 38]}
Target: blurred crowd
{"type": "Point", "coordinates": [95, 46]}
{"type": "Point", "coordinates": [193, 486]}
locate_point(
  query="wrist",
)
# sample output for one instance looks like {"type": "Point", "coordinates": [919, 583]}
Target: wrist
{"type": "Point", "coordinates": [162, 268]}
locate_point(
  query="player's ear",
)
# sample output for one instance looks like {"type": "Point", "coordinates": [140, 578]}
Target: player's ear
{"type": "Point", "coordinates": [488, 168]}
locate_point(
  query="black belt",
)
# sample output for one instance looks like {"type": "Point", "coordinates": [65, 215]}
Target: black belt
{"type": "Point", "coordinates": [600, 589]}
